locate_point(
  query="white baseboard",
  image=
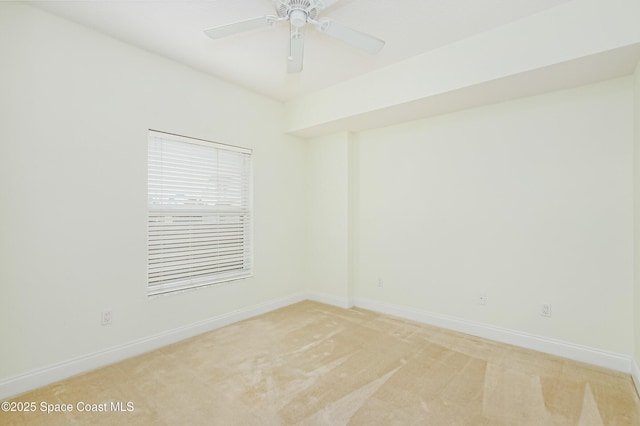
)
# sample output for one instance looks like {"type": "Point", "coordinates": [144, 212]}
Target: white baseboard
{"type": "Point", "coordinates": [635, 375]}
{"type": "Point", "coordinates": [327, 299]}
{"type": "Point", "coordinates": [16, 385]}
{"type": "Point", "coordinates": [586, 354]}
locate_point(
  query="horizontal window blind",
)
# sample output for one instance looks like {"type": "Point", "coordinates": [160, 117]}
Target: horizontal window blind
{"type": "Point", "coordinates": [199, 213]}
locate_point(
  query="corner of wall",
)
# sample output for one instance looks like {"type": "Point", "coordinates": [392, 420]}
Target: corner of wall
{"type": "Point", "coordinates": [636, 196]}
{"type": "Point", "coordinates": [635, 375]}
{"type": "Point", "coordinates": [328, 243]}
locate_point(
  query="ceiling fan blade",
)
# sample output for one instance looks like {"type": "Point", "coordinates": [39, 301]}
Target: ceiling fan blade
{"type": "Point", "coordinates": [350, 36]}
{"type": "Point", "coordinates": [238, 27]}
{"type": "Point", "coordinates": [294, 61]}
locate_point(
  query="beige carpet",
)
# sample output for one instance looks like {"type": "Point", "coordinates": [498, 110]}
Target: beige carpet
{"type": "Point", "coordinates": [313, 364]}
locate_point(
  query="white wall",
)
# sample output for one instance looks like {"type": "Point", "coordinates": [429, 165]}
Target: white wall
{"type": "Point", "coordinates": [637, 224]}
{"type": "Point", "coordinates": [529, 201]}
{"type": "Point", "coordinates": [75, 107]}
{"type": "Point", "coordinates": [328, 203]}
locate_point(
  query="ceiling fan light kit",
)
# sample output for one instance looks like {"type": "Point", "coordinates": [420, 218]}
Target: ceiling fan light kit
{"type": "Point", "coordinates": [299, 13]}
{"type": "Point", "coordinates": [298, 18]}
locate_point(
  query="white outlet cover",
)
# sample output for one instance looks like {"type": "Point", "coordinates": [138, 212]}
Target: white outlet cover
{"type": "Point", "coordinates": [107, 317]}
{"type": "Point", "coordinates": [545, 310]}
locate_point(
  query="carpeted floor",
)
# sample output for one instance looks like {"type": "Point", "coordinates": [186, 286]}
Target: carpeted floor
{"type": "Point", "coordinates": [313, 364]}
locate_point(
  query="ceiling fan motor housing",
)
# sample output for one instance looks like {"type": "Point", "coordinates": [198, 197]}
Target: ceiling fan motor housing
{"type": "Point", "coordinates": [298, 18]}
{"type": "Point", "coordinates": [299, 12]}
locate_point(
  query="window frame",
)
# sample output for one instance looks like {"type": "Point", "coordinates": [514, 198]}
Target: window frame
{"type": "Point", "coordinates": [210, 216]}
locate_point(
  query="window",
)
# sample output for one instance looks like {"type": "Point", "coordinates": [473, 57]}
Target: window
{"type": "Point", "coordinates": [199, 213]}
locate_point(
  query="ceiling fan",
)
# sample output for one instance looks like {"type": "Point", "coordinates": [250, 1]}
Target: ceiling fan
{"type": "Point", "coordinates": [299, 13]}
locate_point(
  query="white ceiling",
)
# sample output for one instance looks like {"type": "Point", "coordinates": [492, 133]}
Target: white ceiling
{"type": "Point", "coordinates": [257, 59]}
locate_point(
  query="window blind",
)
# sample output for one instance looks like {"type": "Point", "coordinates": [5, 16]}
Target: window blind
{"type": "Point", "coordinates": [199, 213]}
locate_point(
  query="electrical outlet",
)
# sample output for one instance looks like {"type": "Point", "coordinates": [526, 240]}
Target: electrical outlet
{"type": "Point", "coordinates": [545, 311]}
{"type": "Point", "coordinates": [107, 317]}
{"type": "Point", "coordinates": [482, 298]}
{"type": "Point", "coordinates": [380, 283]}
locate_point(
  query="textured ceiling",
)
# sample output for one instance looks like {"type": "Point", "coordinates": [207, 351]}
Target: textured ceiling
{"type": "Point", "coordinates": [257, 59]}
